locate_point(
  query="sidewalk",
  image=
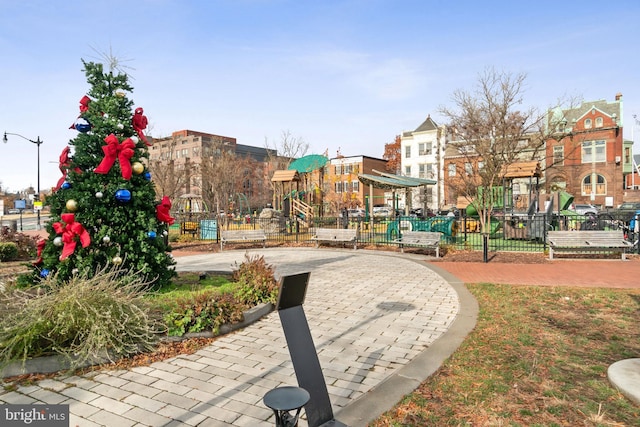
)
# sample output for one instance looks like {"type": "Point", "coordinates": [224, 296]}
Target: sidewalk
{"type": "Point", "coordinates": [381, 324]}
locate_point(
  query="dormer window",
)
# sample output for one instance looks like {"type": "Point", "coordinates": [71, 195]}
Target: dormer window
{"type": "Point", "coordinates": [599, 122]}
{"type": "Point", "coordinates": [587, 124]}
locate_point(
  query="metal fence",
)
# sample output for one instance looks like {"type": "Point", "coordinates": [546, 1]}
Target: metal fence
{"type": "Point", "coordinates": [513, 233]}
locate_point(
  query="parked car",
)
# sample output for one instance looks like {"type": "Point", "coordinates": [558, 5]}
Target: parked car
{"type": "Point", "coordinates": [583, 209]}
{"type": "Point", "coordinates": [626, 211]}
{"type": "Point", "coordinates": [13, 211]}
{"type": "Point", "coordinates": [356, 213]}
{"type": "Point", "coordinates": [381, 212]}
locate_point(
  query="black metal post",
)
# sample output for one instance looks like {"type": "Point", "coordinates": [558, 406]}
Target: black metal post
{"type": "Point", "coordinates": [38, 142]}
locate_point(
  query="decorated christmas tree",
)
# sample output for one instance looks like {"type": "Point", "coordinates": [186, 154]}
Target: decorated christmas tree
{"type": "Point", "coordinates": [104, 210]}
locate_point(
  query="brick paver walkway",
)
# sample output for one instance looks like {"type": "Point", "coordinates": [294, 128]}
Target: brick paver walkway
{"type": "Point", "coordinates": [610, 273]}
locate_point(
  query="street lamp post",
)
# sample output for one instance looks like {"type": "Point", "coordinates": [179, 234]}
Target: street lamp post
{"type": "Point", "coordinates": [38, 142]}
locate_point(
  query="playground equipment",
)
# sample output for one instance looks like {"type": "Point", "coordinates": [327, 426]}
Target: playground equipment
{"type": "Point", "coordinates": [190, 209]}
{"type": "Point", "coordinates": [448, 226]}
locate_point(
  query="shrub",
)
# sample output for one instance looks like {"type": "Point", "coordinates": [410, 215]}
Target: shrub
{"type": "Point", "coordinates": [256, 281]}
{"type": "Point", "coordinates": [210, 309]}
{"type": "Point", "coordinates": [25, 244]}
{"type": "Point", "coordinates": [206, 310]}
{"type": "Point", "coordinates": [8, 251]}
{"type": "Point", "coordinates": [102, 315]}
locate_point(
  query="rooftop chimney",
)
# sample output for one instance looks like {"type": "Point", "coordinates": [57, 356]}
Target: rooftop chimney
{"type": "Point", "coordinates": [618, 96]}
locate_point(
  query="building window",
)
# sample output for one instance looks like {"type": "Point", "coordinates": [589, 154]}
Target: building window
{"type": "Point", "coordinates": [338, 169]}
{"type": "Point", "coordinates": [407, 170]}
{"type": "Point", "coordinates": [599, 122]}
{"type": "Point", "coordinates": [407, 151]}
{"type": "Point", "coordinates": [424, 149]}
{"type": "Point", "coordinates": [345, 186]}
{"type": "Point", "coordinates": [594, 184]}
{"type": "Point", "coordinates": [339, 187]}
{"type": "Point", "coordinates": [452, 169]}
{"type": "Point", "coordinates": [587, 124]}
{"type": "Point", "coordinates": [468, 169]}
{"type": "Point", "coordinates": [594, 152]}
{"type": "Point", "coordinates": [558, 155]}
{"type": "Point", "coordinates": [355, 186]}
{"type": "Point", "coordinates": [627, 155]}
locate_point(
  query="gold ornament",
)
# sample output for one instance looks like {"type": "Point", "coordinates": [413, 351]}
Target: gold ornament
{"type": "Point", "coordinates": [117, 260]}
{"type": "Point", "coordinates": [72, 205]}
{"type": "Point", "coordinates": [138, 168]}
{"type": "Point", "coordinates": [120, 93]}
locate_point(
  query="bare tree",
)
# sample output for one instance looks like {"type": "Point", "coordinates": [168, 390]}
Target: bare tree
{"type": "Point", "coordinates": [223, 175]}
{"type": "Point", "coordinates": [287, 150]}
{"type": "Point", "coordinates": [169, 177]}
{"type": "Point", "coordinates": [491, 131]}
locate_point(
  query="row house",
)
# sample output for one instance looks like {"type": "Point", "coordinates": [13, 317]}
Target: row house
{"type": "Point", "coordinates": [342, 187]}
{"type": "Point", "coordinates": [587, 155]}
{"type": "Point", "coordinates": [422, 152]}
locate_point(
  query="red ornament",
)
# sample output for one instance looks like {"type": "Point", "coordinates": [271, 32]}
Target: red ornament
{"type": "Point", "coordinates": [162, 211]}
{"type": "Point", "coordinates": [140, 122]}
{"type": "Point", "coordinates": [69, 232]}
{"type": "Point", "coordinates": [123, 152]}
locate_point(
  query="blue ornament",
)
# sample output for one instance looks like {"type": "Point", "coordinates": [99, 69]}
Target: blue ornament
{"type": "Point", "coordinates": [44, 273]}
{"type": "Point", "coordinates": [147, 176]}
{"type": "Point", "coordinates": [65, 185]}
{"type": "Point", "coordinates": [152, 234]}
{"type": "Point", "coordinates": [83, 125]}
{"type": "Point", "coordinates": [123, 195]}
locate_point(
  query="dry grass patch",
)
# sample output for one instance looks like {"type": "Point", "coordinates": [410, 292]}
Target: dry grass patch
{"type": "Point", "coordinates": [538, 357]}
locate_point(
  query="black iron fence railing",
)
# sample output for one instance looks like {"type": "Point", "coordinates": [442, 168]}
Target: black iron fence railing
{"type": "Point", "coordinates": [512, 233]}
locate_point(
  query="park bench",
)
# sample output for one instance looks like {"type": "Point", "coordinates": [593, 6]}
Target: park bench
{"type": "Point", "coordinates": [242, 236]}
{"type": "Point", "coordinates": [342, 235]}
{"type": "Point", "coordinates": [425, 239]}
{"type": "Point", "coordinates": [587, 241]}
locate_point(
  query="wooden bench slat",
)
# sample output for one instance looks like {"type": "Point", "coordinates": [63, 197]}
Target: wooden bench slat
{"type": "Point", "coordinates": [252, 235]}
{"type": "Point", "coordinates": [342, 235]}
{"type": "Point", "coordinates": [587, 240]}
{"type": "Point", "coordinates": [427, 239]}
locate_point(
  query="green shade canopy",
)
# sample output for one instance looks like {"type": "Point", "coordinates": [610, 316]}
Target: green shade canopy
{"type": "Point", "coordinates": [392, 182]}
{"type": "Point", "coordinates": [308, 163]}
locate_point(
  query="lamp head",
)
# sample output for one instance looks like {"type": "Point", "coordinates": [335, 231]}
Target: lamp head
{"type": "Point", "coordinates": [4, 138]}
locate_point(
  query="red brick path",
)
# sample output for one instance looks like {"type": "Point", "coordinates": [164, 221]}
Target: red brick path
{"type": "Point", "coordinates": [579, 273]}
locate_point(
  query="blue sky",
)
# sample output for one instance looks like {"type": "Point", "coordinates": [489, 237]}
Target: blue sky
{"type": "Point", "coordinates": [342, 75]}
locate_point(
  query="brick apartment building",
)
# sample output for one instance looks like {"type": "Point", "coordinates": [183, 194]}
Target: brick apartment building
{"type": "Point", "coordinates": [588, 156]}
{"type": "Point", "coordinates": [178, 159]}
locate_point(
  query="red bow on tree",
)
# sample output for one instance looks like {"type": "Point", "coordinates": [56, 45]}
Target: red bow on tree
{"type": "Point", "coordinates": [69, 232]}
{"type": "Point", "coordinates": [140, 122]}
{"type": "Point", "coordinates": [84, 107]}
{"type": "Point", "coordinates": [123, 152]}
{"type": "Point", "coordinates": [65, 164]}
{"type": "Point", "coordinates": [40, 248]}
{"type": "Point", "coordinates": [162, 211]}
